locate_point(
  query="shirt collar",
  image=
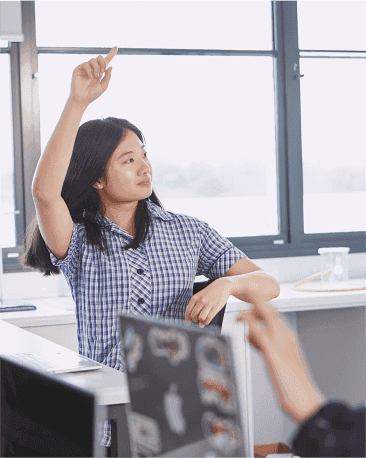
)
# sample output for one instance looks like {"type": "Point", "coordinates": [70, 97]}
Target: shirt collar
{"type": "Point", "coordinates": [155, 211]}
{"type": "Point", "coordinates": [158, 212]}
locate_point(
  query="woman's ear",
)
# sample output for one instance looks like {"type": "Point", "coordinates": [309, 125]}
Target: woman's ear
{"type": "Point", "coordinates": [97, 185]}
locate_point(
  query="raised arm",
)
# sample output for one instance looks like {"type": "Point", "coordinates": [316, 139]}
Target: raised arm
{"type": "Point", "coordinates": [53, 216]}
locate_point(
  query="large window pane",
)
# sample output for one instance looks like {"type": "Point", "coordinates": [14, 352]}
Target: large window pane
{"type": "Point", "coordinates": [332, 25]}
{"type": "Point", "coordinates": [7, 207]}
{"type": "Point", "coordinates": [209, 123]}
{"type": "Point", "coordinates": [163, 24]}
{"type": "Point", "coordinates": [333, 117]}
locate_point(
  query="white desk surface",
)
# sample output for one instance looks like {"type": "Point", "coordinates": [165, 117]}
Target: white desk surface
{"type": "Point", "coordinates": [109, 384]}
{"type": "Point", "coordinates": [61, 310]}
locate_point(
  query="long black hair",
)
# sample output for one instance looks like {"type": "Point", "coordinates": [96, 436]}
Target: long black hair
{"type": "Point", "coordinates": [95, 142]}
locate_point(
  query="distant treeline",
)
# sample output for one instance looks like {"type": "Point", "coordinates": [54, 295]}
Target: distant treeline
{"type": "Point", "coordinates": [246, 179]}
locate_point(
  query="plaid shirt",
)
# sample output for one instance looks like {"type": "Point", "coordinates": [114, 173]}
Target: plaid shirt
{"type": "Point", "coordinates": [155, 280]}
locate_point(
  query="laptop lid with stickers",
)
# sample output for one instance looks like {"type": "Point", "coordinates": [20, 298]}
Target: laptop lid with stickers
{"type": "Point", "coordinates": [184, 395]}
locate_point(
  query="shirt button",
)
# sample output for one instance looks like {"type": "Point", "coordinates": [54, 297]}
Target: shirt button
{"type": "Point", "coordinates": [140, 271]}
{"type": "Point", "coordinates": [140, 300]}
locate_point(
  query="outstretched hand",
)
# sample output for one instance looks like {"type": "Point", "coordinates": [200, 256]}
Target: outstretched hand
{"type": "Point", "coordinates": [86, 85]}
{"type": "Point", "coordinates": [271, 336]}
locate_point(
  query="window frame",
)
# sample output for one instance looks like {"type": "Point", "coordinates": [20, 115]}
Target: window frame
{"type": "Point", "coordinates": [291, 240]}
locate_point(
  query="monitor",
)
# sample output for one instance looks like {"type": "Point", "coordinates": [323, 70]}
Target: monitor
{"type": "Point", "coordinates": [42, 415]}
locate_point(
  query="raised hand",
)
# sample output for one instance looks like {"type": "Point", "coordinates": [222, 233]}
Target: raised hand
{"type": "Point", "coordinates": [86, 85]}
{"type": "Point", "coordinates": [278, 344]}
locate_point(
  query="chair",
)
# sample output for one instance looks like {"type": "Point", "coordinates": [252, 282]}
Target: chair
{"type": "Point", "coordinates": [219, 318]}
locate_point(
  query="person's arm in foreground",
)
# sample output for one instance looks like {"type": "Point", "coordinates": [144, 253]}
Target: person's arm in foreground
{"type": "Point", "coordinates": [327, 428]}
{"type": "Point", "coordinates": [269, 334]}
{"type": "Point", "coordinates": [244, 280]}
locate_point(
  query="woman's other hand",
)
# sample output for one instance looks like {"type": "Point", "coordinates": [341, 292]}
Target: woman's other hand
{"type": "Point", "coordinates": [86, 85]}
{"type": "Point", "coordinates": [206, 304]}
{"type": "Point", "coordinates": [271, 336]}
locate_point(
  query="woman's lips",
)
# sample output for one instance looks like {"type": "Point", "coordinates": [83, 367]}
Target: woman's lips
{"type": "Point", "coordinates": [145, 183]}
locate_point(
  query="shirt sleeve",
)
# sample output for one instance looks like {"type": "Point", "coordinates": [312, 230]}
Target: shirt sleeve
{"type": "Point", "coordinates": [69, 265]}
{"type": "Point", "coordinates": [217, 254]}
{"type": "Point", "coordinates": [334, 430]}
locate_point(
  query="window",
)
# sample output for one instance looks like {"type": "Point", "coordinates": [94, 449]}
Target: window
{"type": "Point", "coordinates": [236, 136]}
{"type": "Point", "coordinates": [7, 157]}
{"type": "Point", "coordinates": [202, 123]}
{"type": "Point", "coordinates": [155, 24]}
{"type": "Point", "coordinates": [333, 114]}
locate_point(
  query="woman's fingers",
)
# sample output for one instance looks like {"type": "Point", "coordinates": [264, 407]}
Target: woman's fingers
{"type": "Point", "coordinates": [93, 63]}
{"type": "Point", "coordinates": [102, 64]}
{"type": "Point", "coordinates": [86, 67]}
{"type": "Point", "coordinates": [107, 77]}
{"type": "Point", "coordinates": [110, 56]}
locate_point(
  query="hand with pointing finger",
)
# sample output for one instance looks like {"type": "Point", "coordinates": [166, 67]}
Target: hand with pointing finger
{"type": "Point", "coordinates": [87, 85]}
{"type": "Point", "coordinates": [270, 335]}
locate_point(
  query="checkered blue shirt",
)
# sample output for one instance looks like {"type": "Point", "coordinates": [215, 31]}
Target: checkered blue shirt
{"type": "Point", "coordinates": [155, 280]}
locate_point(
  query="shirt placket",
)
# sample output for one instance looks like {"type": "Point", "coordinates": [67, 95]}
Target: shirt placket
{"type": "Point", "coordinates": [140, 281]}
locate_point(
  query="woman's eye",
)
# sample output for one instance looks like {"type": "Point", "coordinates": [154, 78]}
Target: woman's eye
{"type": "Point", "coordinates": [145, 154]}
{"type": "Point", "coordinates": [128, 160]}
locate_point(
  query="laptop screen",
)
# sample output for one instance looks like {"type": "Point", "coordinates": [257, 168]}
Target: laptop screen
{"type": "Point", "coordinates": [182, 388]}
{"type": "Point", "coordinates": [42, 415]}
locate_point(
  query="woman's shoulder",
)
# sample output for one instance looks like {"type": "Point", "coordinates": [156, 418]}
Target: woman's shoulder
{"type": "Point", "coordinates": [178, 218]}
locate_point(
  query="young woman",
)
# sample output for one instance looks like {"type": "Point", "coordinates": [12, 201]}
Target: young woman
{"type": "Point", "coordinates": [99, 222]}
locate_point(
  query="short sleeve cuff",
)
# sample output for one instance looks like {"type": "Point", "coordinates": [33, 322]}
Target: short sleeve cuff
{"type": "Point", "coordinates": [225, 262]}
{"type": "Point", "coordinates": [73, 248]}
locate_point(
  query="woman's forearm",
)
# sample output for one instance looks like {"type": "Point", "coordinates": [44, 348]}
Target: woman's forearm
{"type": "Point", "coordinates": [53, 164]}
{"type": "Point", "coordinates": [255, 286]}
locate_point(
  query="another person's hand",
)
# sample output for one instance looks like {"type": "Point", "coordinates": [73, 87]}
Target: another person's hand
{"type": "Point", "coordinates": [86, 85]}
{"type": "Point", "coordinates": [271, 336]}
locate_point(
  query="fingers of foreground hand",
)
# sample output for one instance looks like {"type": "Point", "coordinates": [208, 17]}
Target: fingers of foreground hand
{"type": "Point", "coordinates": [256, 335]}
{"type": "Point", "coordinates": [262, 311]}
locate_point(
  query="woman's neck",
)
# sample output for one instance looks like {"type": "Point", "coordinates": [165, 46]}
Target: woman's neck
{"type": "Point", "coordinates": [123, 215]}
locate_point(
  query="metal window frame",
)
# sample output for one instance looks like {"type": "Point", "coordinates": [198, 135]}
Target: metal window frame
{"type": "Point", "coordinates": [291, 240]}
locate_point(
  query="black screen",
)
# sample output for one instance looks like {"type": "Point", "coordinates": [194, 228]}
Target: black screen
{"type": "Point", "coordinates": [42, 415]}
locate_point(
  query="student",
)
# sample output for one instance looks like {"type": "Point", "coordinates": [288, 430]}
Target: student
{"type": "Point", "coordinates": [99, 222]}
{"type": "Point", "coordinates": [327, 428]}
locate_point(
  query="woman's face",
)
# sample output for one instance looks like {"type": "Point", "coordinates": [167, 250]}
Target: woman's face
{"type": "Point", "coordinates": [128, 173]}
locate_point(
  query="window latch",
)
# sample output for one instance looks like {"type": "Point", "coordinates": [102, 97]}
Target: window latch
{"type": "Point", "coordinates": [297, 75]}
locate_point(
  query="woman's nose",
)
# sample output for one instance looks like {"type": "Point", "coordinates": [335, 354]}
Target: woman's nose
{"type": "Point", "coordinates": [145, 166]}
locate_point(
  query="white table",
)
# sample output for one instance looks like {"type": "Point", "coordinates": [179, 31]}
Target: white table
{"type": "Point", "coordinates": [109, 385]}
{"type": "Point", "coordinates": [326, 323]}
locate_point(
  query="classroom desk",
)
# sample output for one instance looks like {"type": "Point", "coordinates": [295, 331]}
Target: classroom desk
{"type": "Point", "coordinates": [108, 384]}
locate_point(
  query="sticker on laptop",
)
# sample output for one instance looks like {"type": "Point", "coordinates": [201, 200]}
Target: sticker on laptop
{"type": "Point", "coordinates": [212, 352]}
{"type": "Point", "coordinates": [172, 344]}
{"type": "Point", "coordinates": [173, 408]}
{"type": "Point", "coordinates": [145, 432]}
{"type": "Point", "coordinates": [215, 388]}
{"type": "Point", "coordinates": [222, 434]}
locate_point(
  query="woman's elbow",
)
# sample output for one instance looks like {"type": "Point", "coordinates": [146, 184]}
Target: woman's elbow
{"type": "Point", "coordinates": [275, 289]}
